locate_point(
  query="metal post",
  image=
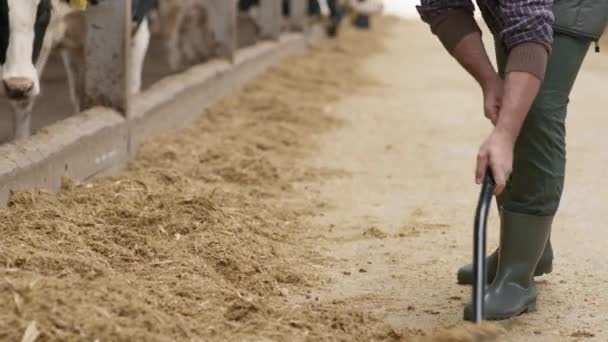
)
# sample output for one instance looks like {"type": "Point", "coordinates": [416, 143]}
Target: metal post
{"type": "Point", "coordinates": [107, 55]}
{"type": "Point", "coordinates": [222, 22]}
{"type": "Point", "coordinates": [298, 15]}
{"type": "Point", "coordinates": [269, 17]}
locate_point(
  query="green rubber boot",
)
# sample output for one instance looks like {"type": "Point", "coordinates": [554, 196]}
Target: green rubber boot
{"type": "Point", "coordinates": [513, 292]}
{"type": "Point", "coordinates": [545, 266]}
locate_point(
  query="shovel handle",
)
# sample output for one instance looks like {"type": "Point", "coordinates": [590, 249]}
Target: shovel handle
{"type": "Point", "coordinates": [479, 246]}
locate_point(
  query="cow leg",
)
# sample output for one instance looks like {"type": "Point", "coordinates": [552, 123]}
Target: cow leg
{"type": "Point", "coordinates": [172, 16]}
{"type": "Point", "coordinates": [75, 77]}
{"type": "Point", "coordinates": [200, 32]}
{"type": "Point", "coordinates": [140, 44]}
{"type": "Point", "coordinates": [324, 7]}
{"type": "Point", "coordinates": [196, 43]}
{"type": "Point", "coordinates": [154, 22]}
{"type": "Point", "coordinates": [202, 42]}
{"type": "Point", "coordinates": [188, 42]}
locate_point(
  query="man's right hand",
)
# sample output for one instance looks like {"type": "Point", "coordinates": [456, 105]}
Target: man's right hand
{"type": "Point", "coordinates": [492, 98]}
{"type": "Point", "coordinates": [496, 153]}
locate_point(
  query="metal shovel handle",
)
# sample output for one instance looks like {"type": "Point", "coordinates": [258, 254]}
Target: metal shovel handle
{"type": "Point", "coordinates": [479, 246]}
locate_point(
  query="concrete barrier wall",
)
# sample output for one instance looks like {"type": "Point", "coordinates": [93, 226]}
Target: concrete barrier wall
{"type": "Point", "coordinates": [100, 141]}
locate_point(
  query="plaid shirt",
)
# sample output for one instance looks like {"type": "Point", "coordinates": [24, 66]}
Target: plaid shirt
{"type": "Point", "coordinates": [512, 21]}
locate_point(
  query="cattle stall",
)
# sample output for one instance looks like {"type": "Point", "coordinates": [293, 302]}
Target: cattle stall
{"type": "Point", "coordinates": [112, 118]}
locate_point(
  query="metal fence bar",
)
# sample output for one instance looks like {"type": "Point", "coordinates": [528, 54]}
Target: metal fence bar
{"type": "Point", "coordinates": [107, 55]}
{"type": "Point", "coordinates": [269, 17]}
{"type": "Point", "coordinates": [298, 15]}
{"type": "Point", "coordinates": [222, 22]}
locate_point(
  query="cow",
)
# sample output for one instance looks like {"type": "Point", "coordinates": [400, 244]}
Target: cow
{"type": "Point", "coordinates": [30, 29]}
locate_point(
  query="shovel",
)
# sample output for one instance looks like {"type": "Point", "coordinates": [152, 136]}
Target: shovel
{"type": "Point", "coordinates": [479, 247]}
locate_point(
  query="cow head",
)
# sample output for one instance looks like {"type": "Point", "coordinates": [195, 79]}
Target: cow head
{"type": "Point", "coordinates": [23, 25]}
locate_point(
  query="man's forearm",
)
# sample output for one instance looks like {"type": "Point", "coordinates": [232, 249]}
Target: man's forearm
{"type": "Point", "coordinates": [520, 91]}
{"type": "Point", "coordinates": [520, 88]}
{"type": "Point", "coordinates": [471, 54]}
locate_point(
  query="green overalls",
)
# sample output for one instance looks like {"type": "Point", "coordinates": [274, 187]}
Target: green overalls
{"type": "Point", "coordinates": [535, 187]}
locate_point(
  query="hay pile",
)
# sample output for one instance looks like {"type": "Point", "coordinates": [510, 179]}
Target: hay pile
{"type": "Point", "coordinates": [198, 240]}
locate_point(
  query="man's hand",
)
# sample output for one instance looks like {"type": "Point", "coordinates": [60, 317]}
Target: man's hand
{"type": "Point", "coordinates": [496, 153]}
{"type": "Point", "coordinates": [520, 89]}
{"type": "Point", "coordinates": [492, 98]}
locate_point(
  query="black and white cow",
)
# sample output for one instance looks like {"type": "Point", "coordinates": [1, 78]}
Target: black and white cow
{"type": "Point", "coordinates": [29, 30]}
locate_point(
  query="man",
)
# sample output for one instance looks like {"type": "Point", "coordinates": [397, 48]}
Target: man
{"type": "Point", "coordinates": [540, 46]}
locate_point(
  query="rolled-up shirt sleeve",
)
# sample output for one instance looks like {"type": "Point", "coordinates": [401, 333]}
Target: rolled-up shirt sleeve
{"type": "Point", "coordinates": [450, 20]}
{"type": "Point", "coordinates": [527, 34]}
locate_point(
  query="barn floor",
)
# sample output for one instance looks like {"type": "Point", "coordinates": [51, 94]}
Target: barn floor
{"type": "Point", "coordinates": [331, 199]}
